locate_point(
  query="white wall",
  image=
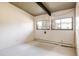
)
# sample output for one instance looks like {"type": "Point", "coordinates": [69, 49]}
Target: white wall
{"type": "Point", "coordinates": [77, 27]}
{"type": "Point", "coordinates": [16, 26]}
{"type": "Point", "coordinates": [56, 35]}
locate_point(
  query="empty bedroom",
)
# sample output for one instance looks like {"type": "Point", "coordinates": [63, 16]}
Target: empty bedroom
{"type": "Point", "coordinates": [39, 28]}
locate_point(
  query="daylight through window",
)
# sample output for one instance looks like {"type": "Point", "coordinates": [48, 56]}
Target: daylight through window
{"type": "Point", "coordinates": [65, 23]}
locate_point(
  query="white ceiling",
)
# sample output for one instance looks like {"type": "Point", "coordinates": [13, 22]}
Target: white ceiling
{"type": "Point", "coordinates": [56, 6]}
{"type": "Point", "coordinates": [30, 7]}
{"type": "Point", "coordinates": [34, 9]}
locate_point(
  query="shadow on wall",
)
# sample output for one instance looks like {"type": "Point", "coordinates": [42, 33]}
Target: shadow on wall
{"type": "Point", "coordinates": [29, 37]}
{"type": "Point", "coordinates": [16, 26]}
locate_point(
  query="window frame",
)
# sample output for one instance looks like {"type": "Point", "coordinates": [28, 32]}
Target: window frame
{"type": "Point", "coordinates": [42, 29]}
{"type": "Point", "coordinates": [60, 23]}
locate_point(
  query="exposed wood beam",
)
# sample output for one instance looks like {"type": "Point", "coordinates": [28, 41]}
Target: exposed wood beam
{"type": "Point", "coordinates": [42, 6]}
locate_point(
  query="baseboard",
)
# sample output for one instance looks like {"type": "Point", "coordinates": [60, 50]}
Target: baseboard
{"type": "Point", "coordinates": [56, 43]}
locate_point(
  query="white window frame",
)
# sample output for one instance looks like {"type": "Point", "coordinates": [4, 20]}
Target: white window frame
{"type": "Point", "coordinates": [60, 24]}
{"type": "Point", "coordinates": [42, 28]}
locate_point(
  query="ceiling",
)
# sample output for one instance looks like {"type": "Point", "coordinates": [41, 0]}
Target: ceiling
{"type": "Point", "coordinates": [35, 10]}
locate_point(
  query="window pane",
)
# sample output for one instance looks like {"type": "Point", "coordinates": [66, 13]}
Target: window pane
{"type": "Point", "coordinates": [66, 20]}
{"type": "Point", "coordinates": [57, 21]}
{"type": "Point", "coordinates": [56, 24]}
{"type": "Point", "coordinates": [66, 26]}
{"type": "Point", "coordinates": [44, 24]}
{"type": "Point", "coordinates": [39, 23]}
{"type": "Point", "coordinates": [65, 23]}
{"type": "Point", "coordinates": [39, 27]}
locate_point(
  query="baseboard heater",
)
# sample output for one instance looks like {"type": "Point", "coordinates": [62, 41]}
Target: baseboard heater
{"type": "Point", "coordinates": [55, 43]}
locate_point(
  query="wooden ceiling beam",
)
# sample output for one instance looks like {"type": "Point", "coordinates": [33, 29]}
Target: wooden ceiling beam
{"type": "Point", "coordinates": [43, 7]}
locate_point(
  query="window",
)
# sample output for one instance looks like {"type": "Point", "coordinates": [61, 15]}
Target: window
{"type": "Point", "coordinates": [65, 23]}
{"type": "Point", "coordinates": [43, 25]}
